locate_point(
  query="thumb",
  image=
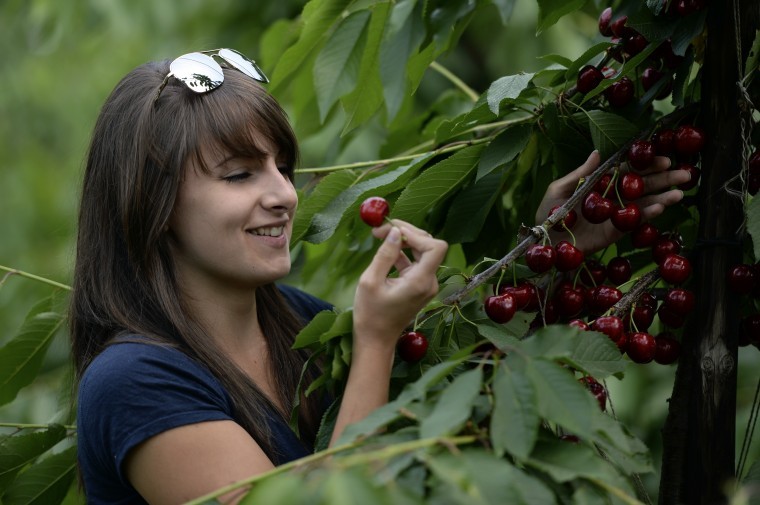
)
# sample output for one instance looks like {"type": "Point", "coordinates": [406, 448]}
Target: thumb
{"type": "Point", "coordinates": [386, 256]}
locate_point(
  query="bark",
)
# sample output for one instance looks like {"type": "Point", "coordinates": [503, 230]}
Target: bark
{"type": "Point", "coordinates": [698, 465]}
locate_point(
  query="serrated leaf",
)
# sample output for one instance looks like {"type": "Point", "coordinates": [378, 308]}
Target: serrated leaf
{"type": "Point", "coordinates": [337, 66]}
{"type": "Point", "coordinates": [325, 222]}
{"type": "Point", "coordinates": [435, 184]}
{"type": "Point", "coordinates": [589, 351]}
{"type": "Point", "coordinates": [566, 461]}
{"type": "Point", "coordinates": [362, 103]}
{"type": "Point", "coordinates": [550, 11]}
{"type": "Point", "coordinates": [44, 483]}
{"type": "Point", "coordinates": [561, 399]}
{"type": "Point", "coordinates": [479, 114]}
{"type": "Point", "coordinates": [753, 56]}
{"type": "Point", "coordinates": [503, 149]}
{"type": "Point", "coordinates": [514, 421]}
{"type": "Point", "coordinates": [21, 357]}
{"type": "Point", "coordinates": [454, 405]}
{"type": "Point", "coordinates": [318, 16]}
{"type": "Point", "coordinates": [341, 326]}
{"type": "Point", "coordinates": [325, 192]}
{"type": "Point", "coordinates": [17, 451]}
{"type": "Point", "coordinates": [508, 87]}
{"type": "Point", "coordinates": [403, 34]}
{"type": "Point", "coordinates": [312, 332]}
{"type": "Point", "coordinates": [609, 132]}
{"type": "Point", "coordinates": [469, 210]}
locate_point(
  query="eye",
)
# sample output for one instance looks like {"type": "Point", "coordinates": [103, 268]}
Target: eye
{"type": "Point", "coordinates": [237, 177]}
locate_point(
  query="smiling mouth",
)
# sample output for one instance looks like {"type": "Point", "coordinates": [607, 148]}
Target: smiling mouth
{"type": "Point", "coordinates": [274, 231]}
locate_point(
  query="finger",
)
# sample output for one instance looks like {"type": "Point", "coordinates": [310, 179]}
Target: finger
{"type": "Point", "coordinates": [568, 183]}
{"type": "Point", "coordinates": [385, 257]}
{"type": "Point", "coordinates": [653, 205]}
{"type": "Point", "coordinates": [402, 262]}
{"type": "Point", "coordinates": [658, 181]}
{"type": "Point", "coordinates": [428, 251]}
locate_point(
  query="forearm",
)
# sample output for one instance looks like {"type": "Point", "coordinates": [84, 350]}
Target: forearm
{"type": "Point", "coordinates": [366, 388]}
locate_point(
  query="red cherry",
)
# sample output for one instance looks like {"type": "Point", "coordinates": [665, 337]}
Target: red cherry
{"type": "Point", "coordinates": [750, 329]}
{"type": "Point", "coordinates": [641, 154]}
{"type": "Point", "coordinates": [596, 389]}
{"type": "Point", "coordinates": [663, 247]}
{"type": "Point", "coordinates": [617, 27]}
{"type": "Point", "coordinates": [651, 76]}
{"type": "Point", "coordinates": [604, 22]}
{"type": "Point", "coordinates": [569, 220]}
{"type": "Point", "coordinates": [579, 323]}
{"type": "Point", "coordinates": [412, 346]}
{"type": "Point", "coordinates": [602, 184]}
{"type": "Point", "coordinates": [589, 78]}
{"type": "Point", "coordinates": [525, 295]}
{"type": "Point", "coordinates": [570, 301]}
{"type": "Point", "coordinates": [667, 349]}
{"type": "Point", "coordinates": [647, 300]}
{"type": "Point", "coordinates": [642, 317]}
{"type": "Point", "coordinates": [689, 140]}
{"type": "Point", "coordinates": [631, 186]}
{"type": "Point", "coordinates": [593, 273]}
{"type": "Point", "coordinates": [596, 208]}
{"type": "Point", "coordinates": [373, 210]}
{"type": "Point", "coordinates": [620, 93]}
{"type": "Point", "coordinates": [619, 270]}
{"type": "Point", "coordinates": [645, 235]}
{"type": "Point", "coordinates": [679, 300]}
{"type": "Point", "coordinates": [612, 326]}
{"type": "Point", "coordinates": [634, 43]}
{"type": "Point", "coordinates": [641, 347]}
{"type": "Point", "coordinates": [669, 58]}
{"type": "Point", "coordinates": [540, 258]}
{"type": "Point", "coordinates": [603, 298]}
{"type": "Point", "coordinates": [569, 257]}
{"type": "Point", "coordinates": [675, 269]}
{"type": "Point", "coordinates": [670, 318]}
{"type": "Point", "coordinates": [627, 218]}
{"type": "Point", "coordinates": [664, 142]}
{"type": "Point", "coordinates": [741, 279]}
{"type": "Point", "coordinates": [693, 171]}
{"type": "Point", "coordinates": [500, 308]}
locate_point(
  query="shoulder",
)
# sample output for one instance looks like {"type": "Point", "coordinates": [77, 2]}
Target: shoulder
{"type": "Point", "coordinates": [305, 305]}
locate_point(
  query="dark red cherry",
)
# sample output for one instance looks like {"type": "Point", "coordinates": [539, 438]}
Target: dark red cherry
{"type": "Point", "coordinates": [602, 184]}
{"type": "Point", "coordinates": [641, 154]}
{"type": "Point", "coordinates": [619, 270]}
{"type": "Point", "coordinates": [643, 316]}
{"type": "Point", "coordinates": [373, 210]}
{"type": "Point", "coordinates": [596, 389]}
{"type": "Point", "coordinates": [605, 18]}
{"type": "Point", "coordinates": [670, 318]}
{"type": "Point", "coordinates": [750, 329]}
{"type": "Point", "coordinates": [568, 221]}
{"type": "Point", "coordinates": [641, 347]}
{"type": "Point", "coordinates": [664, 142]}
{"type": "Point", "coordinates": [596, 208]}
{"type": "Point", "coordinates": [603, 298]}
{"type": "Point", "coordinates": [645, 235]}
{"type": "Point", "coordinates": [675, 269]}
{"type": "Point", "coordinates": [500, 308]}
{"type": "Point", "coordinates": [679, 300]}
{"type": "Point", "coordinates": [631, 186]}
{"type": "Point", "coordinates": [570, 301]}
{"type": "Point", "coordinates": [667, 349]}
{"type": "Point", "coordinates": [689, 140]}
{"type": "Point", "coordinates": [569, 257]}
{"type": "Point", "coordinates": [634, 43]}
{"type": "Point", "coordinates": [579, 323]}
{"type": "Point", "coordinates": [589, 78]}
{"type": "Point", "coordinates": [612, 326]}
{"type": "Point", "coordinates": [617, 27]}
{"type": "Point", "coordinates": [742, 279]}
{"type": "Point", "coordinates": [620, 93]}
{"type": "Point", "coordinates": [663, 247]}
{"type": "Point", "coordinates": [540, 258]}
{"type": "Point", "coordinates": [626, 218]}
{"type": "Point", "coordinates": [593, 273]}
{"type": "Point", "coordinates": [412, 346]}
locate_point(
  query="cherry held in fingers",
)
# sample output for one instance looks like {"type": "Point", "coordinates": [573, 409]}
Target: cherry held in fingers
{"type": "Point", "coordinates": [374, 210]}
{"type": "Point", "coordinates": [412, 346]}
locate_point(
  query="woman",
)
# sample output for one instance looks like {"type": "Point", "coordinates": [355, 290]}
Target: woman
{"type": "Point", "coordinates": [181, 339]}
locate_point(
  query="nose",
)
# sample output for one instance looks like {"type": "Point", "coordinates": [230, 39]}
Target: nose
{"type": "Point", "coordinates": [280, 194]}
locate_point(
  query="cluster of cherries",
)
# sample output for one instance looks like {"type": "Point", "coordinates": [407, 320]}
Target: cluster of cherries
{"type": "Point", "coordinates": [627, 43]}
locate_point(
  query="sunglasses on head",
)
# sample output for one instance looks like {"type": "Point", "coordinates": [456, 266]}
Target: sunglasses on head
{"type": "Point", "coordinates": [202, 71]}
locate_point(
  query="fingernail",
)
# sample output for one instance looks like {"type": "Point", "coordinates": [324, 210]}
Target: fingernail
{"type": "Point", "coordinates": [688, 172]}
{"type": "Point", "coordinates": [681, 196]}
{"type": "Point", "coordinates": [394, 236]}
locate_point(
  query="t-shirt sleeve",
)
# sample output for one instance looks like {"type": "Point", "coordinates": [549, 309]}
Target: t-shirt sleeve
{"type": "Point", "coordinates": [305, 305]}
{"type": "Point", "coordinates": [133, 391]}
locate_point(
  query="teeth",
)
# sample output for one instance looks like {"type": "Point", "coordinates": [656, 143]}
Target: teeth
{"type": "Point", "coordinates": [274, 231]}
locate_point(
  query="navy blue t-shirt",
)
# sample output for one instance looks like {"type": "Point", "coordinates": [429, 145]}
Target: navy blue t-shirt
{"type": "Point", "coordinates": [133, 391]}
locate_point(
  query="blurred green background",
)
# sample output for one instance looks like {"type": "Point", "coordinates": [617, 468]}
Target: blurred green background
{"type": "Point", "coordinates": [62, 58]}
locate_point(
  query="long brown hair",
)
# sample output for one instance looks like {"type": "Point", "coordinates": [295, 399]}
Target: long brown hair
{"type": "Point", "coordinates": [124, 277]}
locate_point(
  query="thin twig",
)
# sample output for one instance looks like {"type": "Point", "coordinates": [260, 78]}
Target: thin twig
{"type": "Point", "coordinates": [21, 273]}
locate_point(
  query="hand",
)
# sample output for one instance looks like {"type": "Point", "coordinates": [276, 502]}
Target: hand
{"type": "Point", "coordinates": [384, 306]}
{"type": "Point", "coordinates": [593, 237]}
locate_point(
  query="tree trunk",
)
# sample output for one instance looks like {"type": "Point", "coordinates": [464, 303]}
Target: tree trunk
{"type": "Point", "coordinates": [698, 465]}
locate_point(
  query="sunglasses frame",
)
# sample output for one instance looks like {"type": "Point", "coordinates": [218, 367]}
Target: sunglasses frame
{"type": "Point", "coordinates": [201, 71]}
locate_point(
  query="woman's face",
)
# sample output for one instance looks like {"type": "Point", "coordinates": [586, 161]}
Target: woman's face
{"type": "Point", "coordinates": [231, 227]}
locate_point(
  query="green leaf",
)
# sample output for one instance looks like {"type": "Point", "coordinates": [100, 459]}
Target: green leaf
{"type": "Point", "coordinates": [21, 357]}
{"type": "Point", "coordinates": [44, 483]}
{"type": "Point", "coordinates": [622, 449]}
{"type": "Point", "coordinates": [609, 132]}
{"type": "Point", "coordinates": [403, 34]}
{"type": "Point", "coordinates": [318, 16]}
{"type": "Point", "coordinates": [505, 9]}
{"type": "Point", "coordinates": [283, 488]}
{"type": "Point", "coordinates": [324, 193]}
{"type": "Point", "coordinates": [312, 332]}
{"type": "Point", "coordinates": [325, 222]}
{"type": "Point", "coordinates": [435, 184]}
{"type": "Point", "coordinates": [343, 325]}
{"type": "Point", "coordinates": [503, 149]}
{"type": "Point", "coordinates": [630, 67]}
{"type": "Point", "coordinates": [17, 451]}
{"type": "Point", "coordinates": [469, 210]}
{"type": "Point", "coordinates": [589, 351]}
{"type": "Point", "coordinates": [753, 56]}
{"type": "Point", "coordinates": [367, 97]}
{"type": "Point", "coordinates": [753, 223]}
{"type": "Point", "coordinates": [550, 11]}
{"type": "Point", "coordinates": [337, 66]}
{"type": "Point", "coordinates": [566, 461]}
{"type": "Point", "coordinates": [561, 399]}
{"type": "Point", "coordinates": [514, 421]}
{"type": "Point", "coordinates": [571, 75]}
{"type": "Point", "coordinates": [348, 487]}
{"type": "Point", "coordinates": [508, 87]}
{"type": "Point", "coordinates": [454, 405]}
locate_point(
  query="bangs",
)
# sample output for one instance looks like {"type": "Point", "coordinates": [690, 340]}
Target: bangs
{"type": "Point", "coordinates": [241, 120]}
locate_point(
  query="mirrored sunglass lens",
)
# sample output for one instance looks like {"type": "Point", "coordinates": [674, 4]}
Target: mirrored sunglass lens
{"type": "Point", "coordinates": [199, 72]}
{"type": "Point", "coordinates": [244, 64]}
